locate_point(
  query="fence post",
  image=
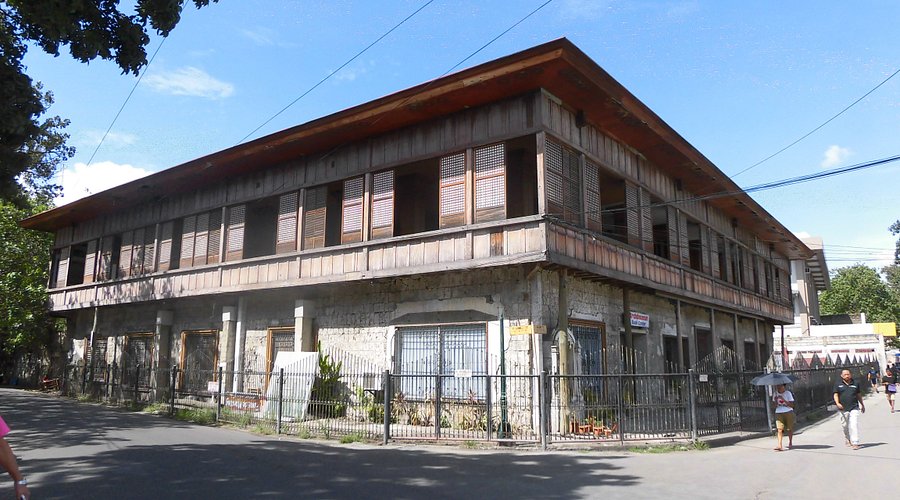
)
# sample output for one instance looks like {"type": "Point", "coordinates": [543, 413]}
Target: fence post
{"type": "Point", "coordinates": [386, 388]}
{"type": "Point", "coordinates": [137, 377]}
{"type": "Point", "coordinates": [621, 409]}
{"type": "Point", "coordinates": [219, 396]}
{"type": "Point", "coordinates": [109, 380]}
{"type": "Point", "coordinates": [172, 390]}
{"type": "Point", "coordinates": [437, 406]}
{"type": "Point", "coordinates": [489, 413]}
{"type": "Point", "coordinates": [280, 399]}
{"type": "Point", "coordinates": [692, 398]}
{"type": "Point", "coordinates": [542, 410]}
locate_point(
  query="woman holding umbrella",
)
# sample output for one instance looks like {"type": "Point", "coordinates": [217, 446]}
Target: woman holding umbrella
{"type": "Point", "coordinates": [784, 415]}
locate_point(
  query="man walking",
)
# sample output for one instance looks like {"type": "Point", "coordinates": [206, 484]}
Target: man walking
{"type": "Point", "coordinates": [848, 398]}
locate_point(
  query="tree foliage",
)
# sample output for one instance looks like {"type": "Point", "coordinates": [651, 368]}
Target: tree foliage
{"type": "Point", "coordinates": [91, 29]}
{"type": "Point", "coordinates": [859, 289]}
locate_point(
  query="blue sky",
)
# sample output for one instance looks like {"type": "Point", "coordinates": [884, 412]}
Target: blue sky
{"type": "Point", "coordinates": [738, 80]}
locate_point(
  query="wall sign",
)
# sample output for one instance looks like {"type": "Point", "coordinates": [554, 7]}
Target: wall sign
{"type": "Point", "coordinates": [640, 320]}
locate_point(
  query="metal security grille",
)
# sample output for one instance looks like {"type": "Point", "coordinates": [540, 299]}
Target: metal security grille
{"type": "Point", "coordinates": [198, 360]}
{"type": "Point", "coordinates": [490, 182]}
{"type": "Point", "coordinates": [441, 350]}
{"type": "Point", "coordinates": [591, 343]}
{"type": "Point", "coordinates": [97, 360]}
{"type": "Point", "coordinates": [280, 340]}
{"type": "Point", "coordinates": [137, 360]}
{"type": "Point", "coordinates": [453, 190]}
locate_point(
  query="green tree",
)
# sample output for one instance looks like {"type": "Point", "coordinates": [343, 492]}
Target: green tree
{"type": "Point", "coordinates": [895, 230]}
{"type": "Point", "coordinates": [91, 29]}
{"type": "Point", "coordinates": [859, 289]}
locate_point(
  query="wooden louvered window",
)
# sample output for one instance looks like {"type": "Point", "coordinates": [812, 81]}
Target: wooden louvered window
{"type": "Point", "coordinates": [188, 228]}
{"type": "Point", "coordinates": [452, 203]}
{"type": "Point", "coordinates": [352, 210]}
{"type": "Point", "coordinates": [674, 240]}
{"type": "Point", "coordinates": [137, 252]}
{"type": "Point", "coordinates": [490, 183]}
{"type": "Point", "coordinates": [62, 269]}
{"type": "Point", "coordinates": [108, 254]}
{"type": "Point", "coordinates": [149, 249]}
{"type": "Point", "coordinates": [383, 205]}
{"type": "Point", "coordinates": [286, 230]}
{"type": "Point", "coordinates": [645, 209]}
{"type": "Point", "coordinates": [166, 231]}
{"type": "Point", "coordinates": [214, 243]}
{"type": "Point", "coordinates": [90, 261]}
{"type": "Point", "coordinates": [201, 239]}
{"type": "Point", "coordinates": [314, 217]}
{"type": "Point", "coordinates": [125, 254]}
{"type": "Point", "coordinates": [234, 238]}
{"type": "Point", "coordinates": [633, 214]}
{"type": "Point", "coordinates": [592, 197]}
{"type": "Point", "coordinates": [563, 179]}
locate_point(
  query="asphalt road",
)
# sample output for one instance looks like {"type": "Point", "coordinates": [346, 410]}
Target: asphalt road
{"type": "Point", "coordinates": [76, 450]}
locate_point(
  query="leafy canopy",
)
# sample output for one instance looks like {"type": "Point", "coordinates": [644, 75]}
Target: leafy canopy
{"type": "Point", "coordinates": [859, 289]}
{"type": "Point", "coordinates": [91, 29]}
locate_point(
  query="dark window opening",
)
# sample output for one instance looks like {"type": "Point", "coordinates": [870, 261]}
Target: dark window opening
{"type": "Point", "coordinates": [660, 215]}
{"type": "Point", "coordinates": [334, 202]}
{"type": "Point", "coordinates": [670, 348]}
{"type": "Point", "coordinates": [695, 246]}
{"type": "Point", "coordinates": [54, 269]}
{"type": "Point", "coordinates": [521, 180]}
{"type": "Point", "coordinates": [614, 218]}
{"type": "Point", "coordinates": [77, 256]}
{"type": "Point", "coordinates": [751, 361]}
{"type": "Point", "coordinates": [704, 344]}
{"type": "Point", "coordinates": [737, 270]}
{"type": "Point", "coordinates": [416, 189]}
{"type": "Point", "coordinates": [259, 227]}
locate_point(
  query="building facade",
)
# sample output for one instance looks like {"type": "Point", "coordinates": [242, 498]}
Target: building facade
{"type": "Point", "coordinates": [529, 207]}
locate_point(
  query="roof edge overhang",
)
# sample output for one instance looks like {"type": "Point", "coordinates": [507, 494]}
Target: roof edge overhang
{"type": "Point", "coordinates": [557, 66]}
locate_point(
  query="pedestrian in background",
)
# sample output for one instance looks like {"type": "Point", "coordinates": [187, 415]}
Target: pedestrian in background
{"type": "Point", "coordinates": [848, 399]}
{"type": "Point", "coordinates": [784, 415]}
{"type": "Point", "coordinates": [873, 378]}
{"type": "Point", "coordinates": [890, 386]}
{"type": "Point", "coordinates": [8, 462]}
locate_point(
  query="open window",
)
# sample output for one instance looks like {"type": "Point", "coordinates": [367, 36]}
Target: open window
{"type": "Point", "coordinates": [661, 234]}
{"type": "Point", "coordinates": [260, 228]}
{"type": "Point", "coordinates": [695, 246]}
{"type": "Point", "coordinates": [417, 186]}
{"type": "Point", "coordinates": [614, 216]}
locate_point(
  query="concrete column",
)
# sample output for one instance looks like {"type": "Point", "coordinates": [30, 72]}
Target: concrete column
{"type": "Point", "coordinates": [162, 354]}
{"type": "Point", "coordinates": [229, 333]}
{"type": "Point", "coordinates": [303, 326]}
{"type": "Point", "coordinates": [240, 339]}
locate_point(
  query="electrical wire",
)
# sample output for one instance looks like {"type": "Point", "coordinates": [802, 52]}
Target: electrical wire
{"type": "Point", "coordinates": [342, 66]}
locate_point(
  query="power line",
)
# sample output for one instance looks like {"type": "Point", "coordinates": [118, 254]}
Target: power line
{"type": "Point", "coordinates": [342, 66]}
{"type": "Point", "coordinates": [826, 122]}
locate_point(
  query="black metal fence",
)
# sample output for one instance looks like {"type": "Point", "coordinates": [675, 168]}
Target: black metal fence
{"type": "Point", "coordinates": [335, 399]}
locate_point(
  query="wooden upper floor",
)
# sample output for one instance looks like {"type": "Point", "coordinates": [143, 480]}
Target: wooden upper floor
{"type": "Point", "coordinates": [533, 177]}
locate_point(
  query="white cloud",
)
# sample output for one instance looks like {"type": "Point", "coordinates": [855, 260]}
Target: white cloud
{"type": "Point", "coordinates": [189, 81]}
{"type": "Point", "coordinates": [259, 36]}
{"type": "Point", "coordinates": [835, 155]}
{"type": "Point", "coordinates": [349, 74]}
{"type": "Point", "coordinates": [584, 9]}
{"type": "Point", "coordinates": [91, 138]}
{"type": "Point", "coordinates": [82, 180]}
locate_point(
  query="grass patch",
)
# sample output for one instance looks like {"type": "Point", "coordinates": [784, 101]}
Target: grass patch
{"type": "Point", "coordinates": [303, 433]}
{"type": "Point", "coordinates": [470, 444]}
{"type": "Point", "coordinates": [200, 416]}
{"type": "Point", "coordinates": [670, 448]}
{"type": "Point", "coordinates": [86, 398]}
{"type": "Point", "coordinates": [351, 438]}
{"type": "Point", "coordinates": [156, 409]}
{"type": "Point", "coordinates": [263, 429]}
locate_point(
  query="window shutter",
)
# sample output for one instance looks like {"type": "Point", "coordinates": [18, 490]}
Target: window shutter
{"type": "Point", "coordinates": [672, 226]}
{"type": "Point", "coordinates": [572, 186]}
{"type": "Point", "coordinates": [453, 190]}
{"type": "Point", "coordinates": [286, 232]}
{"type": "Point", "coordinates": [62, 272]}
{"type": "Point", "coordinates": [188, 226]}
{"type": "Point", "coordinates": [201, 239]}
{"type": "Point", "coordinates": [632, 203]}
{"type": "Point", "coordinates": [90, 261]}
{"type": "Point", "coordinates": [314, 217]}
{"type": "Point", "coordinates": [105, 272]}
{"type": "Point", "coordinates": [137, 253]}
{"type": "Point", "coordinates": [490, 183]}
{"type": "Point", "coordinates": [215, 237]}
{"type": "Point", "coordinates": [592, 191]}
{"type": "Point", "coordinates": [234, 243]}
{"type": "Point", "coordinates": [149, 249]}
{"type": "Point", "coordinates": [761, 276]}
{"type": "Point", "coordinates": [749, 275]}
{"type": "Point", "coordinates": [553, 177]}
{"type": "Point", "coordinates": [125, 254]}
{"type": "Point", "coordinates": [352, 210]}
{"type": "Point", "coordinates": [705, 250]}
{"type": "Point", "coordinates": [683, 243]}
{"type": "Point", "coordinates": [165, 245]}
{"type": "Point", "coordinates": [646, 220]}
{"type": "Point", "coordinates": [383, 205]}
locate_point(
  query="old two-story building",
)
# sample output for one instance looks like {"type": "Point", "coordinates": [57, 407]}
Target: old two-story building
{"type": "Point", "coordinates": [530, 195]}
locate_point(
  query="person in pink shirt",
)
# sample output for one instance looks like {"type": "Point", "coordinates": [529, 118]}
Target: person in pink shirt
{"type": "Point", "coordinates": [8, 462]}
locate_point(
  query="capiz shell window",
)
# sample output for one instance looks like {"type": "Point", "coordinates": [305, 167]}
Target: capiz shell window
{"type": "Point", "coordinates": [427, 351]}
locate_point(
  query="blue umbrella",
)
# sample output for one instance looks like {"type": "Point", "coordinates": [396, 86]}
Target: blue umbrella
{"type": "Point", "coordinates": [774, 378]}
